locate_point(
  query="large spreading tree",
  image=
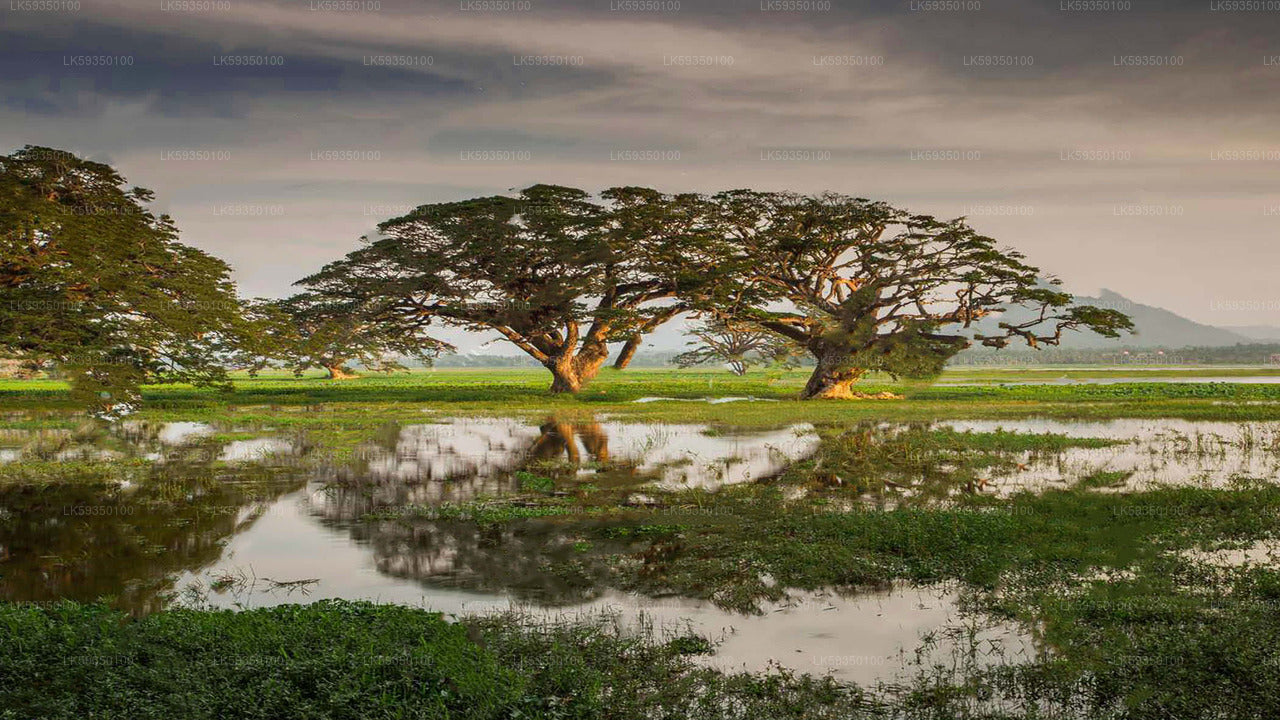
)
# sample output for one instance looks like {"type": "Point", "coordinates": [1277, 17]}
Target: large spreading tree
{"type": "Point", "coordinates": [92, 280]}
{"type": "Point", "coordinates": [557, 273]}
{"type": "Point", "coordinates": [864, 286]}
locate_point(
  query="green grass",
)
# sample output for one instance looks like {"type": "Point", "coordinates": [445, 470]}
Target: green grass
{"type": "Point", "coordinates": [334, 659]}
{"type": "Point", "coordinates": [57, 472]}
{"type": "Point", "coordinates": [531, 482]}
{"type": "Point", "coordinates": [357, 405]}
{"type": "Point", "coordinates": [324, 660]}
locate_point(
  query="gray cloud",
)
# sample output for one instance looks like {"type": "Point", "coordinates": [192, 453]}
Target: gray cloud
{"type": "Point", "coordinates": [1133, 149]}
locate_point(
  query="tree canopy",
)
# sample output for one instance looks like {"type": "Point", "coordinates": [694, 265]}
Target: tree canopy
{"type": "Point", "coordinates": [95, 282]}
{"type": "Point", "coordinates": [864, 286]}
{"type": "Point", "coordinates": [558, 274]}
{"type": "Point", "coordinates": [860, 285]}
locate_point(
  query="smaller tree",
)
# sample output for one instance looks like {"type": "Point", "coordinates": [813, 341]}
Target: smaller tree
{"type": "Point", "coordinates": [306, 331]}
{"type": "Point", "coordinates": [738, 345]}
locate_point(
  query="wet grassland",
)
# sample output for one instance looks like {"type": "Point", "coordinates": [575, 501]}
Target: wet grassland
{"type": "Point", "coordinates": [1101, 550]}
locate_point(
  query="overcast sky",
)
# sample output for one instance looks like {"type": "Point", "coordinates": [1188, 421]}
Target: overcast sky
{"type": "Point", "coordinates": [1133, 146]}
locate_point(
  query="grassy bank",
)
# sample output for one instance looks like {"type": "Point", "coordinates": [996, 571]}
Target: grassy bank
{"type": "Point", "coordinates": [519, 392]}
{"type": "Point", "coordinates": [356, 660]}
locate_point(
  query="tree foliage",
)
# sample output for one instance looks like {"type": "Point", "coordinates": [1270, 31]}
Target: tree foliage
{"type": "Point", "coordinates": [95, 282]}
{"type": "Point", "coordinates": [553, 271]}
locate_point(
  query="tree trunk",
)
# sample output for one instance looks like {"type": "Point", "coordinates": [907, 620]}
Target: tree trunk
{"type": "Point", "coordinates": [832, 379]}
{"type": "Point", "coordinates": [572, 372]}
{"type": "Point", "coordinates": [566, 379]}
{"type": "Point", "coordinates": [338, 372]}
{"type": "Point", "coordinates": [628, 351]}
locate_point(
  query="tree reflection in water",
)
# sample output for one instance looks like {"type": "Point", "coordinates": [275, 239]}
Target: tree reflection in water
{"type": "Point", "coordinates": [428, 465]}
{"type": "Point", "coordinates": [187, 495]}
{"type": "Point", "coordinates": [462, 460]}
{"type": "Point", "coordinates": [543, 560]}
{"type": "Point", "coordinates": [550, 560]}
{"type": "Point", "coordinates": [127, 541]}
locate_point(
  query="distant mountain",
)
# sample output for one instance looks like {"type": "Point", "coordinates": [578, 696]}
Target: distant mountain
{"type": "Point", "coordinates": [1156, 327]}
{"type": "Point", "coordinates": [1257, 333]}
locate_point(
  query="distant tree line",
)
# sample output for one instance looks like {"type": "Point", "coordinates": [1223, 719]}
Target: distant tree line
{"type": "Point", "coordinates": [1241, 354]}
{"type": "Point", "coordinates": [98, 285]}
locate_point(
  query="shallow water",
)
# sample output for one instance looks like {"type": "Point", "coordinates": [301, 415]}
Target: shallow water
{"type": "Point", "coordinates": [1263, 553]}
{"type": "Point", "coordinates": [1155, 452]}
{"type": "Point", "coordinates": [479, 456]}
{"type": "Point", "coordinates": [192, 509]}
{"type": "Point", "coordinates": [260, 520]}
{"type": "Point", "coordinates": [866, 637]}
{"type": "Point", "coordinates": [255, 450]}
{"type": "Point", "coordinates": [180, 433]}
